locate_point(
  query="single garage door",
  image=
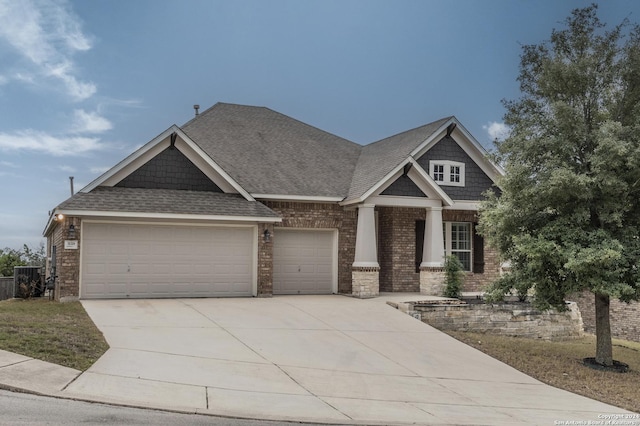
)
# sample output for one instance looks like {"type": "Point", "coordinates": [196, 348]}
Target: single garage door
{"type": "Point", "coordinates": [151, 261]}
{"type": "Point", "coordinates": [303, 261]}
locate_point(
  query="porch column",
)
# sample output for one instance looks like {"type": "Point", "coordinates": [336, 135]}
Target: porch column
{"type": "Point", "coordinates": [432, 266]}
{"type": "Point", "coordinates": [365, 268]}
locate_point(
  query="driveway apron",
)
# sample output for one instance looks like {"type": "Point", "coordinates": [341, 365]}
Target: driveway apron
{"type": "Point", "coordinates": [329, 359]}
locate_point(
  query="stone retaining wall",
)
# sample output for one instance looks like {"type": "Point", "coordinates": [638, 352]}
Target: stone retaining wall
{"type": "Point", "coordinates": [517, 319]}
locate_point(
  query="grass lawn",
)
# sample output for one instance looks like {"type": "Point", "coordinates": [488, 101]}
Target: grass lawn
{"type": "Point", "coordinates": [61, 333]}
{"type": "Point", "coordinates": [559, 364]}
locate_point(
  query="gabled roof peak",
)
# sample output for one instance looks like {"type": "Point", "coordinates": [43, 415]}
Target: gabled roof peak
{"type": "Point", "coordinates": [421, 129]}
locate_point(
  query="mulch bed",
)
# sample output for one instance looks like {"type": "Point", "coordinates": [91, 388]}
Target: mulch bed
{"type": "Point", "coordinates": [617, 367]}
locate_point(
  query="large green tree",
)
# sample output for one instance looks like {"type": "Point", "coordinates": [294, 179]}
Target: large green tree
{"type": "Point", "coordinates": [10, 258]}
{"type": "Point", "coordinates": [568, 217]}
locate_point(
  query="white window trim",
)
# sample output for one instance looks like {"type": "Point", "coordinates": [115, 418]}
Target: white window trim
{"type": "Point", "coordinates": [447, 172]}
{"type": "Point", "coordinates": [448, 243]}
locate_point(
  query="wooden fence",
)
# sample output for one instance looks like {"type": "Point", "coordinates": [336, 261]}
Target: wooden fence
{"type": "Point", "coordinates": [6, 288]}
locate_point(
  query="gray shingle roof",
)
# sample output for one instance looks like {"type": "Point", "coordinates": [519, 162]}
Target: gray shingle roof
{"type": "Point", "coordinates": [379, 158]}
{"type": "Point", "coordinates": [270, 153]}
{"type": "Point", "coordinates": [169, 201]}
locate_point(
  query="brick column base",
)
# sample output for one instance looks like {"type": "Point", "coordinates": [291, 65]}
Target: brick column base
{"type": "Point", "coordinates": [432, 281]}
{"type": "Point", "coordinates": [364, 282]}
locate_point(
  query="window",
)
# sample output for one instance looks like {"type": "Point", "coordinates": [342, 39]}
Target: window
{"type": "Point", "coordinates": [445, 172]}
{"type": "Point", "coordinates": [454, 174]}
{"type": "Point", "coordinates": [438, 172]}
{"type": "Point", "coordinates": [457, 242]}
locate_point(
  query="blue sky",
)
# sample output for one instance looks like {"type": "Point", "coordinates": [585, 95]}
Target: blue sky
{"type": "Point", "coordinates": [84, 83]}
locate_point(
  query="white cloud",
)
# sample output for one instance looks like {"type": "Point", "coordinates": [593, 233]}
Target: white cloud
{"type": "Point", "coordinates": [90, 122]}
{"type": "Point", "coordinates": [67, 169]}
{"type": "Point", "coordinates": [34, 140]}
{"type": "Point", "coordinates": [4, 164]}
{"type": "Point", "coordinates": [47, 34]}
{"type": "Point", "coordinates": [76, 89]}
{"type": "Point", "coordinates": [497, 130]}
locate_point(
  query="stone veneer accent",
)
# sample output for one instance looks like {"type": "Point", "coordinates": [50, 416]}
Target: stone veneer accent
{"type": "Point", "coordinates": [520, 320]}
{"type": "Point", "coordinates": [322, 216]}
{"type": "Point", "coordinates": [624, 317]}
{"type": "Point", "coordinates": [432, 281]}
{"type": "Point", "coordinates": [365, 282]}
{"type": "Point", "coordinates": [67, 261]}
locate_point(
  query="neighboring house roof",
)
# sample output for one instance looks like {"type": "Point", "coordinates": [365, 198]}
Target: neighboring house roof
{"type": "Point", "coordinates": [164, 201]}
{"type": "Point", "coordinates": [380, 158]}
{"type": "Point", "coordinates": [270, 153]}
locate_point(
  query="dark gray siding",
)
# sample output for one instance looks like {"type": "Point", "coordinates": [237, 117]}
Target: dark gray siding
{"type": "Point", "coordinates": [476, 181]}
{"type": "Point", "coordinates": [404, 187]}
{"type": "Point", "coordinates": [169, 170]}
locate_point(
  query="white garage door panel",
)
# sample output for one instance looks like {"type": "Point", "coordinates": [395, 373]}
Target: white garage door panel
{"type": "Point", "coordinates": [139, 261]}
{"type": "Point", "coordinates": [303, 262]}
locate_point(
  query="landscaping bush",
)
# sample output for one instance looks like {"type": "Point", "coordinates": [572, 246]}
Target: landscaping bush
{"type": "Point", "coordinates": [453, 277]}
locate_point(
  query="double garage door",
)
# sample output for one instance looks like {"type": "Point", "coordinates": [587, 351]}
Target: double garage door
{"type": "Point", "coordinates": [140, 261]}
{"type": "Point", "coordinates": [153, 261]}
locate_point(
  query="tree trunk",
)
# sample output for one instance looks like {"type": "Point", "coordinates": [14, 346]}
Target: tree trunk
{"type": "Point", "coordinates": [604, 348]}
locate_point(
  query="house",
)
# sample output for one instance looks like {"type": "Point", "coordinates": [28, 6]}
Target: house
{"type": "Point", "coordinates": [245, 201]}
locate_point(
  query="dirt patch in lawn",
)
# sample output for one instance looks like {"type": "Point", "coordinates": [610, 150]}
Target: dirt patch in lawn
{"type": "Point", "coordinates": [560, 364]}
{"type": "Point", "coordinates": [61, 333]}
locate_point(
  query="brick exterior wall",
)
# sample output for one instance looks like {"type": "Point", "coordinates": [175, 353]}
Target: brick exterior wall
{"type": "Point", "coordinates": [323, 216]}
{"type": "Point", "coordinates": [625, 318]}
{"type": "Point", "coordinates": [67, 261]}
{"type": "Point", "coordinates": [397, 248]}
{"type": "Point", "coordinates": [478, 282]}
{"type": "Point", "coordinates": [475, 281]}
{"type": "Point", "coordinates": [265, 262]}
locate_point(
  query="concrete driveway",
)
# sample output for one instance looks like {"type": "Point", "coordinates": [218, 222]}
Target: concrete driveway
{"type": "Point", "coordinates": [329, 359]}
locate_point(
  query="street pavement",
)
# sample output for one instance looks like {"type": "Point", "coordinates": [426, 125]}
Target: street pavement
{"type": "Point", "coordinates": [23, 409]}
{"type": "Point", "coordinates": [325, 359]}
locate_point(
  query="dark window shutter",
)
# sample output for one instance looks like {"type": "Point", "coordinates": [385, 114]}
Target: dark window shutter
{"type": "Point", "coordinates": [478, 252]}
{"type": "Point", "coordinates": [419, 242]}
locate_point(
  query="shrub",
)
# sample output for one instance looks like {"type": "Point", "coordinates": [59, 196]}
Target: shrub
{"type": "Point", "coordinates": [453, 277]}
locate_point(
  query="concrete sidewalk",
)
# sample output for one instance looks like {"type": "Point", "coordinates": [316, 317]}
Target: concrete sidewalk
{"type": "Point", "coordinates": [326, 359]}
